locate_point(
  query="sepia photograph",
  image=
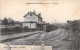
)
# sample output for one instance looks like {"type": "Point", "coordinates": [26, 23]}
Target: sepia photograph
{"type": "Point", "coordinates": [39, 24]}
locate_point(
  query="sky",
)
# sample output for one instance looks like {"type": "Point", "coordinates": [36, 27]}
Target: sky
{"type": "Point", "coordinates": [59, 11]}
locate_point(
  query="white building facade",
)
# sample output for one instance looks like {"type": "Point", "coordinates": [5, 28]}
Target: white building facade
{"type": "Point", "coordinates": [33, 21]}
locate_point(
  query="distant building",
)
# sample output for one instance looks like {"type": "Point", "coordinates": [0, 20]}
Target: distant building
{"type": "Point", "coordinates": [13, 23]}
{"type": "Point", "coordinates": [34, 21]}
{"type": "Point", "coordinates": [10, 20]}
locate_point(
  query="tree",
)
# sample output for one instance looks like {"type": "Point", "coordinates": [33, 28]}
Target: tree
{"type": "Point", "coordinates": [5, 21]}
{"type": "Point", "coordinates": [75, 26]}
{"type": "Point", "coordinates": [10, 21]}
{"type": "Point", "coordinates": [75, 30]}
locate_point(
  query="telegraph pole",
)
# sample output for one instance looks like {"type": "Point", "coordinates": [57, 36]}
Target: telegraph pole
{"type": "Point", "coordinates": [43, 41]}
{"type": "Point", "coordinates": [42, 46]}
{"type": "Point", "coordinates": [70, 29]}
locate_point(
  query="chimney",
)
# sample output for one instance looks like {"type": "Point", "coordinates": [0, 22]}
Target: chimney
{"type": "Point", "coordinates": [28, 12]}
{"type": "Point", "coordinates": [34, 12]}
{"type": "Point", "coordinates": [39, 14]}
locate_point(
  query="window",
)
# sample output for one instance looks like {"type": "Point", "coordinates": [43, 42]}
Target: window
{"type": "Point", "coordinates": [30, 14]}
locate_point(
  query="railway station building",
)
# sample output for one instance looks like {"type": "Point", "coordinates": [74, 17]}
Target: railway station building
{"type": "Point", "coordinates": [34, 21]}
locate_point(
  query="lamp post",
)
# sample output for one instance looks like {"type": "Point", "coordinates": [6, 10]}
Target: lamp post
{"type": "Point", "coordinates": [30, 27]}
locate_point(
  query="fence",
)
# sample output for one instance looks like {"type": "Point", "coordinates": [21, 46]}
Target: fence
{"type": "Point", "coordinates": [13, 30]}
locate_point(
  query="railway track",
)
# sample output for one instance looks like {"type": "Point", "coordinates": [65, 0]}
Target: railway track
{"type": "Point", "coordinates": [15, 38]}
